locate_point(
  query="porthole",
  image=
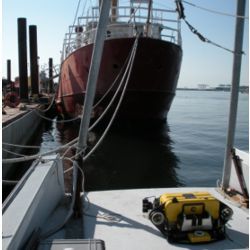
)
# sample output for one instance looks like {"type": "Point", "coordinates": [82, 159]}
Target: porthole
{"type": "Point", "coordinates": [115, 66]}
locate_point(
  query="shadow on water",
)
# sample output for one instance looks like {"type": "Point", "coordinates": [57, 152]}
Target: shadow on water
{"type": "Point", "coordinates": [137, 155]}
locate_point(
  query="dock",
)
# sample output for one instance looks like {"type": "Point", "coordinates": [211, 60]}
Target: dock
{"type": "Point", "coordinates": [10, 115]}
{"type": "Point", "coordinates": [18, 127]}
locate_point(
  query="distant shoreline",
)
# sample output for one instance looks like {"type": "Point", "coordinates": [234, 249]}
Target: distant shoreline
{"type": "Point", "coordinates": [242, 89]}
{"type": "Point", "coordinates": [196, 89]}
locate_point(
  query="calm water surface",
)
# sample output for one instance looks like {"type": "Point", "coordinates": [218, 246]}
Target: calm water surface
{"type": "Point", "coordinates": [186, 151]}
{"type": "Point", "coordinates": [198, 127]}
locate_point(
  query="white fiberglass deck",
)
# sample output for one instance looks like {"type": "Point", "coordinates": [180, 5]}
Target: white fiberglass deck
{"type": "Point", "coordinates": [135, 231]}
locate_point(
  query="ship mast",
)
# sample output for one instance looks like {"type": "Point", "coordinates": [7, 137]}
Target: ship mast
{"type": "Point", "coordinates": [238, 43]}
{"type": "Point", "coordinates": [114, 9]}
{"type": "Point", "coordinates": [149, 15]}
{"type": "Point", "coordinates": [90, 94]}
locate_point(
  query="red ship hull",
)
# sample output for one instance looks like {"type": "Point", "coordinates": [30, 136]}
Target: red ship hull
{"type": "Point", "coordinates": [151, 87]}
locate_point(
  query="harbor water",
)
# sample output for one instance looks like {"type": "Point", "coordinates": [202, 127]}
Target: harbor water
{"type": "Point", "coordinates": [186, 151]}
{"type": "Point", "coordinates": [198, 123]}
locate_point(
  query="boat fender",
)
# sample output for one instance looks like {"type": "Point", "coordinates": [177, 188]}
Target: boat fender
{"type": "Point", "coordinates": [12, 100]}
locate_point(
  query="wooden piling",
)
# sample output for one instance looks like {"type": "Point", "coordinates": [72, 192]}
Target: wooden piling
{"type": "Point", "coordinates": [22, 59]}
{"type": "Point", "coordinates": [9, 70]}
{"type": "Point", "coordinates": [9, 75]}
{"type": "Point", "coordinates": [33, 60]}
{"type": "Point", "coordinates": [51, 75]}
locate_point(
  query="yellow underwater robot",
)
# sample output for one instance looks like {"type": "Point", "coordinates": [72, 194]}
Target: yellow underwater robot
{"type": "Point", "coordinates": [195, 217]}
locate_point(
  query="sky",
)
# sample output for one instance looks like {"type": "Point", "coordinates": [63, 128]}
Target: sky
{"type": "Point", "coordinates": [202, 63]}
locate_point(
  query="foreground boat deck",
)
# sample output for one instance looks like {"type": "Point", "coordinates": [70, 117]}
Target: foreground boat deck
{"type": "Point", "coordinates": [126, 227]}
{"type": "Point", "coordinates": [114, 217]}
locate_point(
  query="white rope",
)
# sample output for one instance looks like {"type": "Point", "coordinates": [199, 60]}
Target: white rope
{"type": "Point", "coordinates": [117, 107]}
{"type": "Point", "coordinates": [128, 69]}
{"type": "Point", "coordinates": [14, 153]}
{"type": "Point", "coordinates": [71, 144]}
{"type": "Point", "coordinates": [99, 101]}
{"type": "Point", "coordinates": [83, 10]}
{"type": "Point", "coordinates": [36, 156]}
{"type": "Point", "coordinates": [77, 9]}
{"type": "Point", "coordinates": [114, 82]}
{"type": "Point", "coordinates": [21, 146]}
{"type": "Point", "coordinates": [70, 169]}
{"type": "Point", "coordinates": [111, 102]}
{"type": "Point", "coordinates": [68, 149]}
{"type": "Point", "coordinates": [51, 104]}
{"type": "Point", "coordinates": [110, 217]}
{"type": "Point", "coordinates": [133, 14]}
{"type": "Point", "coordinates": [57, 121]}
{"type": "Point", "coordinates": [116, 93]}
{"type": "Point", "coordinates": [75, 155]}
{"type": "Point", "coordinates": [9, 182]}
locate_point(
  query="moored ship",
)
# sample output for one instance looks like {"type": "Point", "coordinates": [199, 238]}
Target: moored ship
{"type": "Point", "coordinates": [152, 83]}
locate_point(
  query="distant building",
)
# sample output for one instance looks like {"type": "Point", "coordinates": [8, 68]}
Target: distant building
{"type": "Point", "coordinates": [223, 87]}
{"type": "Point", "coordinates": [203, 86]}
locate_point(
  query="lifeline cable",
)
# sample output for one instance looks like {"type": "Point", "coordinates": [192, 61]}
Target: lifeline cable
{"type": "Point", "coordinates": [204, 39]}
{"type": "Point", "coordinates": [214, 11]}
{"type": "Point", "coordinates": [180, 10]}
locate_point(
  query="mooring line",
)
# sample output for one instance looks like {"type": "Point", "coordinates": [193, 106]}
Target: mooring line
{"type": "Point", "coordinates": [69, 145]}
{"type": "Point", "coordinates": [118, 105]}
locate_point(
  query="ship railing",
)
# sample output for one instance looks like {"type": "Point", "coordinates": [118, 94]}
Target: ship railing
{"type": "Point", "coordinates": [163, 24]}
{"type": "Point", "coordinates": [73, 42]}
{"type": "Point", "coordinates": [138, 15]}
